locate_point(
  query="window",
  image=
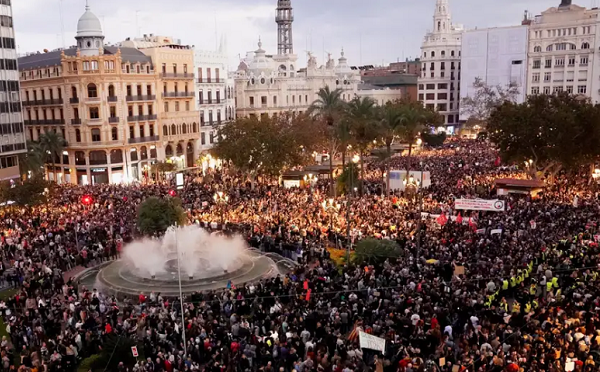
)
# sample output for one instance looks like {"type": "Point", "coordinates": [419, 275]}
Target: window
{"type": "Point", "coordinates": [166, 106]}
{"type": "Point", "coordinates": [559, 61]}
{"type": "Point", "coordinates": [421, 86]}
{"type": "Point", "coordinates": [570, 89]}
{"type": "Point", "coordinates": [582, 89]}
{"type": "Point", "coordinates": [430, 86]}
{"type": "Point", "coordinates": [263, 100]}
{"type": "Point", "coordinates": [583, 61]}
{"type": "Point", "coordinates": [557, 89]}
{"type": "Point", "coordinates": [548, 63]}
{"type": "Point", "coordinates": [114, 134]}
{"type": "Point", "coordinates": [537, 49]}
{"type": "Point", "coordinates": [92, 91]}
{"type": "Point", "coordinates": [432, 54]}
{"type": "Point", "coordinates": [251, 101]}
{"type": "Point", "coordinates": [451, 53]}
{"type": "Point", "coordinates": [77, 135]}
{"type": "Point", "coordinates": [150, 109]}
{"type": "Point", "coordinates": [131, 132]}
{"type": "Point", "coordinates": [547, 76]}
{"type": "Point", "coordinates": [275, 101]}
{"type": "Point", "coordinates": [203, 138]}
{"type": "Point", "coordinates": [176, 106]}
{"type": "Point", "coordinates": [94, 113]}
{"type": "Point", "coordinates": [571, 61]}
{"type": "Point", "coordinates": [443, 86]}
{"type": "Point", "coordinates": [561, 46]}
{"type": "Point", "coordinates": [165, 130]}
{"type": "Point", "coordinates": [421, 96]}
{"type": "Point", "coordinates": [549, 48]}
{"type": "Point", "coordinates": [585, 46]}
{"type": "Point", "coordinates": [95, 135]}
{"type": "Point", "coordinates": [442, 96]}
{"type": "Point", "coordinates": [442, 107]}
{"type": "Point", "coordinates": [140, 110]}
{"type": "Point", "coordinates": [546, 90]}
{"type": "Point", "coordinates": [187, 106]}
{"type": "Point", "coordinates": [430, 96]}
{"type": "Point", "coordinates": [537, 63]}
{"type": "Point", "coordinates": [535, 77]}
{"type": "Point", "coordinates": [142, 131]}
{"type": "Point", "coordinates": [113, 111]}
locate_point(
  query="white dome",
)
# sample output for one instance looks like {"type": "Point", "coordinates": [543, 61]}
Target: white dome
{"type": "Point", "coordinates": [260, 62]}
{"type": "Point", "coordinates": [89, 25]}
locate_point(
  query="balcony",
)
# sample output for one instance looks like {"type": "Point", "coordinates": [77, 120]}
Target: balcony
{"type": "Point", "coordinates": [43, 102]}
{"type": "Point", "coordinates": [112, 98]}
{"type": "Point", "coordinates": [113, 120]}
{"type": "Point", "coordinates": [178, 94]}
{"type": "Point", "coordinates": [141, 117]}
{"type": "Point", "coordinates": [143, 139]}
{"type": "Point", "coordinates": [94, 121]}
{"type": "Point", "coordinates": [92, 99]}
{"type": "Point", "coordinates": [140, 98]}
{"type": "Point", "coordinates": [176, 75]}
{"type": "Point", "coordinates": [44, 122]}
{"type": "Point", "coordinates": [209, 81]}
{"type": "Point", "coordinates": [209, 101]}
{"type": "Point", "coordinates": [75, 121]}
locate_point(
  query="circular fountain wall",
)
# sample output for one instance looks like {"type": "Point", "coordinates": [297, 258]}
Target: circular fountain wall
{"type": "Point", "coordinates": [207, 261]}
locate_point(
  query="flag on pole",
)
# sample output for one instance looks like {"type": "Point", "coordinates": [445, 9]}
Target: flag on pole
{"type": "Point", "coordinates": [308, 294]}
{"type": "Point", "coordinates": [442, 219]}
{"type": "Point", "coordinates": [459, 219]}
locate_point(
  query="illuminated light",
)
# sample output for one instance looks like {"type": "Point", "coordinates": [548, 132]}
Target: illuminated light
{"type": "Point", "coordinates": [152, 147]}
{"type": "Point", "coordinates": [65, 153]}
{"type": "Point", "coordinates": [419, 141]}
{"type": "Point", "coordinates": [86, 200]}
{"type": "Point", "coordinates": [172, 192]}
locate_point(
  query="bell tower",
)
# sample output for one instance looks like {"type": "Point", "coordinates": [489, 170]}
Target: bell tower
{"type": "Point", "coordinates": [284, 19]}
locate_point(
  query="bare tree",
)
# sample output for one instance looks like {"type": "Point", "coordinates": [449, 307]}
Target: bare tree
{"type": "Point", "coordinates": [479, 106]}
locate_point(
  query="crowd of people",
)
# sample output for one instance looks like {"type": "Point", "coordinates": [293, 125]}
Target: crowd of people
{"type": "Point", "coordinates": [468, 291]}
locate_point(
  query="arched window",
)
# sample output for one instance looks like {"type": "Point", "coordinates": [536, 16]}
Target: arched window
{"type": "Point", "coordinates": [537, 49]}
{"type": "Point", "coordinates": [77, 135]}
{"type": "Point", "coordinates": [98, 158]}
{"type": "Point", "coordinates": [573, 46]}
{"type": "Point", "coordinates": [168, 151]}
{"type": "Point", "coordinates": [133, 154]}
{"type": "Point", "coordinates": [152, 152]}
{"type": "Point", "coordinates": [195, 127]}
{"type": "Point", "coordinates": [439, 25]}
{"type": "Point", "coordinates": [184, 128]}
{"type": "Point", "coordinates": [116, 156]}
{"type": "Point", "coordinates": [165, 130]}
{"type": "Point", "coordinates": [73, 92]}
{"type": "Point", "coordinates": [144, 153]}
{"type": "Point", "coordinates": [92, 90]}
{"type": "Point", "coordinates": [114, 134]}
{"type": "Point", "coordinates": [432, 54]}
{"type": "Point", "coordinates": [443, 53]}
{"type": "Point", "coordinates": [549, 48]}
{"type": "Point", "coordinates": [585, 46]}
{"type": "Point", "coordinates": [179, 149]}
{"type": "Point", "coordinates": [79, 158]}
{"type": "Point", "coordinates": [424, 54]}
{"type": "Point", "coordinates": [111, 90]}
{"type": "Point", "coordinates": [173, 129]}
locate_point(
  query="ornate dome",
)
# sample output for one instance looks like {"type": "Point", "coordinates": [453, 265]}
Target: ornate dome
{"type": "Point", "coordinates": [89, 25]}
{"type": "Point", "coordinates": [260, 62]}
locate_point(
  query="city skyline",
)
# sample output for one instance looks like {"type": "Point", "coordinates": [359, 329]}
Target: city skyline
{"type": "Point", "coordinates": [322, 31]}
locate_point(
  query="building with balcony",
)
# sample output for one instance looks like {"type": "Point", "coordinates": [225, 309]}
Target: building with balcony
{"type": "Point", "coordinates": [215, 92]}
{"type": "Point", "coordinates": [11, 119]}
{"type": "Point", "coordinates": [112, 104]}
{"type": "Point", "coordinates": [266, 85]}
{"type": "Point", "coordinates": [439, 79]}
{"type": "Point", "coordinates": [561, 51]}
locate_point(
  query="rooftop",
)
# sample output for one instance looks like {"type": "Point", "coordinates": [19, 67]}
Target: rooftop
{"type": "Point", "coordinates": [51, 59]}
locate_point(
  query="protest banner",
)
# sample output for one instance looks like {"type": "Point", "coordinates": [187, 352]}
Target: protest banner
{"type": "Point", "coordinates": [493, 205]}
{"type": "Point", "coordinates": [368, 341]}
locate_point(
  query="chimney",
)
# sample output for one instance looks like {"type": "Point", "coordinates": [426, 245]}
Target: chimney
{"type": "Point", "coordinates": [564, 3]}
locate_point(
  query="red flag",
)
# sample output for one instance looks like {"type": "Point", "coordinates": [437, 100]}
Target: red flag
{"type": "Point", "coordinates": [442, 219]}
{"type": "Point", "coordinates": [308, 294]}
{"type": "Point", "coordinates": [472, 224]}
{"type": "Point", "coordinates": [497, 162]}
{"type": "Point", "coordinates": [306, 284]}
{"type": "Point", "coordinates": [459, 219]}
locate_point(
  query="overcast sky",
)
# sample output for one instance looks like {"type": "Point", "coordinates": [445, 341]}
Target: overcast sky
{"type": "Point", "coordinates": [370, 31]}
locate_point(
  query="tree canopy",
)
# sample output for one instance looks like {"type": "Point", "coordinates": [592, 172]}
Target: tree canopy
{"type": "Point", "coordinates": [156, 215]}
{"type": "Point", "coordinates": [553, 131]}
{"type": "Point", "coordinates": [374, 250]}
{"type": "Point", "coordinates": [479, 106]}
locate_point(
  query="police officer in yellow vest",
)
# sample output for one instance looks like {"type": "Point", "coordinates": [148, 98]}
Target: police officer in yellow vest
{"type": "Point", "coordinates": [504, 285]}
{"type": "Point", "coordinates": [555, 282]}
{"type": "Point", "coordinates": [528, 308]}
{"type": "Point", "coordinates": [548, 287]}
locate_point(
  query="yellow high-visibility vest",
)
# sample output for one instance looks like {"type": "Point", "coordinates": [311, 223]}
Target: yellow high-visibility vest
{"type": "Point", "coordinates": [505, 284]}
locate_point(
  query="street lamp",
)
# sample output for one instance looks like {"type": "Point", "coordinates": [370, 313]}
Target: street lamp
{"type": "Point", "coordinates": [310, 179]}
{"type": "Point", "coordinates": [331, 207]}
{"type": "Point", "coordinates": [221, 199]}
{"type": "Point", "coordinates": [419, 141]}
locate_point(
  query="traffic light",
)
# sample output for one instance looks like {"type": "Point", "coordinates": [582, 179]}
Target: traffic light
{"type": "Point", "coordinates": [86, 200]}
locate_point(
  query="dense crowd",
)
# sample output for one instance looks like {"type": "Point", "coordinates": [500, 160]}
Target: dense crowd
{"type": "Point", "coordinates": [470, 291]}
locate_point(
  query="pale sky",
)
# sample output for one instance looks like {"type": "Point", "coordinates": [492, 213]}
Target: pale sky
{"type": "Point", "coordinates": [371, 32]}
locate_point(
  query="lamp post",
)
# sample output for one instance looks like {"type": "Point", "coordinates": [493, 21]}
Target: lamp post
{"type": "Point", "coordinates": [331, 207]}
{"type": "Point", "coordinates": [355, 160]}
{"type": "Point", "coordinates": [221, 199]}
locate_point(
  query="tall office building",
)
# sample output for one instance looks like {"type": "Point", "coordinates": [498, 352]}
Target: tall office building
{"type": "Point", "coordinates": [11, 119]}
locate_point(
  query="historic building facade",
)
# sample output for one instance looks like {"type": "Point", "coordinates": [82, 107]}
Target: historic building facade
{"type": "Point", "coordinates": [215, 92]}
{"type": "Point", "coordinates": [120, 108]}
{"type": "Point", "coordinates": [439, 79]}
{"type": "Point", "coordinates": [561, 52]}
{"type": "Point", "coordinates": [12, 139]}
{"type": "Point", "coordinates": [266, 85]}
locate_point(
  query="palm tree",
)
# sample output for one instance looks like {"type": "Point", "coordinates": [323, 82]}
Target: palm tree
{"type": "Point", "coordinates": [363, 127]}
{"type": "Point", "coordinates": [52, 144]}
{"type": "Point", "coordinates": [414, 119]}
{"type": "Point", "coordinates": [389, 129]}
{"type": "Point", "coordinates": [328, 107]}
{"type": "Point", "coordinates": [32, 160]}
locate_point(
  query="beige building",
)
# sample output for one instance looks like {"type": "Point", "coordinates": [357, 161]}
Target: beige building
{"type": "Point", "coordinates": [119, 108]}
{"type": "Point", "coordinates": [561, 53]}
